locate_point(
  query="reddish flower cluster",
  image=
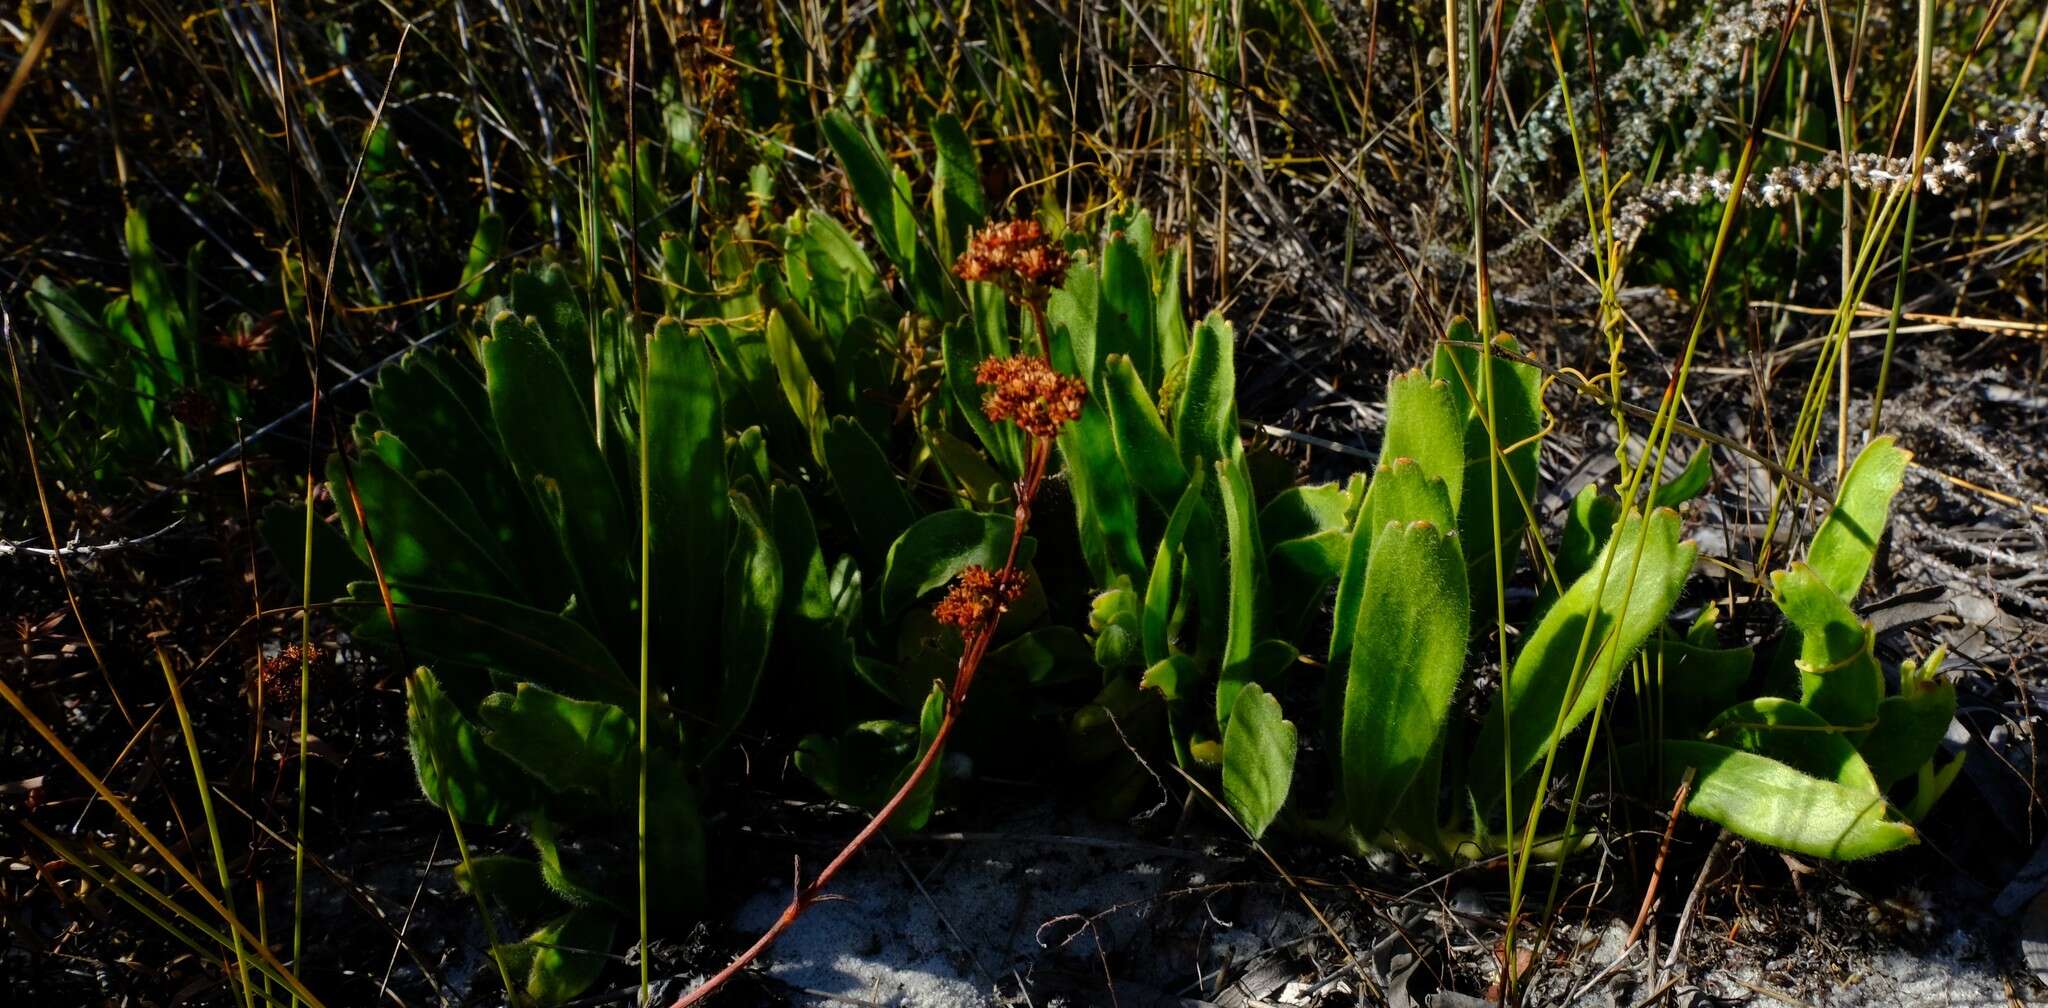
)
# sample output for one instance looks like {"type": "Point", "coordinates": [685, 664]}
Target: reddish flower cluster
{"type": "Point", "coordinates": [194, 409]}
{"type": "Point", "coordinates": [1018, 249]}
{"type": "Point", "coordinates": [278, 676]}
{"type": "Point", "coordinates": [1027, 392]}
{"type": "Point", "coordinates": [977, 593]}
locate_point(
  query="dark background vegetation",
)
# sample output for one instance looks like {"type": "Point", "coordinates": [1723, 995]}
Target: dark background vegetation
{"type": "Point", "coordinates": [312, 174]}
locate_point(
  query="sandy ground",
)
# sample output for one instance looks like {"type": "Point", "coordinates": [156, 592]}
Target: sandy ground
{"type": "Point", "coordinates": [1046, 908]}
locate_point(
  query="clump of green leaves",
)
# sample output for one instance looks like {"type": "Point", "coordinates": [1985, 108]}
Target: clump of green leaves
{"type": "Point", "coordinates": [150, 391]}
{"type": "Point", "coordinates": [1829, 762]}
{"type": "Point", "coordinates": [497, 502]}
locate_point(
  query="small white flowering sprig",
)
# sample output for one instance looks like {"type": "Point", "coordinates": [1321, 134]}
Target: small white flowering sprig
{"type": "Point", "coordinates": [1955, 167]}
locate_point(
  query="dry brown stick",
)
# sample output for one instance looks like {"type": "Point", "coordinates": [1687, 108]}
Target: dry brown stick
{"type": "Point", "coordinates": [31, 56]}
{"type": "Point", "coordinates": [1635, 930]}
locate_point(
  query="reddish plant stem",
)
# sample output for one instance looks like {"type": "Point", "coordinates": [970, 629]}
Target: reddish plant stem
{"type": "Point", "coordinates": [976, 642]}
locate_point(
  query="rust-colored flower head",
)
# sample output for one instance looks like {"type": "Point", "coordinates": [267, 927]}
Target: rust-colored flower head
{"type": "Point", "coordinates": [977, 594]}
{"type": "Point", "coordinates": [194, 409]}
{"type": "Point", "coordinates": [278, 676]}
{"type": "Point", "coordinates": [1027, 392]}
{"type": "Point", "coordinates": [1012, 253]}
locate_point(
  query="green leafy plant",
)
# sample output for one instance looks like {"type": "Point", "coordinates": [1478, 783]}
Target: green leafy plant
{"type": "Point", "coordinates": [495, 507]}
{"type": "Point", "coordinates": [1828, 763]}
{"type": "Point", "coordinates": [150, 390]}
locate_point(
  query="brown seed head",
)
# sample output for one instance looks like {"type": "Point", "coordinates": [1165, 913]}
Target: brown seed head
{"type": "Point", "coordinates": [1008, 251]}
{"type": "Point", "coordinates": [194, 409]}
{"type": "Point", "coordinates": [976, 594]}
{"type": "Point", "coordinates": [278, 676]}
{"type": "Point", "coordinates": [1027, 392]}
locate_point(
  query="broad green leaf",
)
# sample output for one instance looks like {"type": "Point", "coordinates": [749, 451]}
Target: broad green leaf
{"type": "Point", "coordinates": [1587, 527]}
{"type": "Point", "coordinates": [1501, 401]}
{"type": "Point", "coordinates": [1124, 319]}
{"type": "Point", "coordinates": [1173, 678]}
{"type": "Point", "coordinates": [569, 954]}
{"type": "Point", "coordinates": [456, 770]}
{"type": "Point", "coordinates": [1909, 731]}
{"type": "Point", "coordinates": [1400, 492]}
{"type": "Point", "coordinates": [171, 340]}
{"type": "Point", "coordinates": [1696, 681]}
{"type": "Point", "coordinates": [1169, 322]}
{"type": "Point", "coordinates": [675, 842]}
{"type": "Point", "coordinates": [1846, 541]}
{"type": "Point", "coordinates": [916, 810]}
{"type": "Point", "coordinates": [806, 581]}
{"type": "Point", "coordinates": [1795, 736]}
{"type": "Point", "coordinates": [957, 203]}
{"type": "Point", "coordinates": [1258, 759]}
{"type": "Point", "coordinates": [965, 344]}
{"type": "Point", "coordinates": [415, 540]}
{"type": "Point", "coordinates": [874, 185]}
{"type": "Point", "coordinates": [568, 745]}
{"type": "Point", "coordinates": [1245, 560]}
{"type": "Point", "coordinates": [468, 628]}
{"type": "Point", "coordinates": [334, 566]}
{"type": "Point", "coordinates": [1166, 578]}
{"type": "Point", "coordinates": [1147, 450]}
{"type": "Point", "coordinates": [1407, 657]}
{"type": "Point", "coordinates": [1070, 312]}
{"type": "Point", "coordinates": [589, 883]}
{"type": "Point", "coordinates": [484, 248]}
{"type": "Point", "coordinates": [867, 486]}
{"type": "Point", "coordinates": [859, 765]}
{"type": "Point", "coordinates": [79, 328]}
{"type": "Point", "coordinates": [1839, 677]}
{"type": "Point", "coordinates": [1302, 512]}
{"type": "Point", "coordinates": [935, 549]}
{"type": "Point", "coordinates": [884, 193]}
{"type": "Point", "coordinates": [1307, 538]}
{"type": "Point", "coordinates": [1689, 483]}
{"type": "Point", "coordinates": [439, 408]}
{"type": "Point", "coordinates": [753, 594]}
{"type": "Point", "coordinates": [688, 518]}
{"type": "Point", "coordinates": [546, 295]}
{"type": "Point", "coordinates": [1424, 424]}
{"type": "Point", "coordinates": [1105, 505]}
{"type": "Point", "coordinates": [543, 422]}
{"type": "Point", "coordinates": [1205, 420]}
{"type": "Point", "coordinates": [1767, 801]}
{"type": "Point", "coordinates": [509, 883]}
{"type": "Point", "coordinates": [1572, 657]}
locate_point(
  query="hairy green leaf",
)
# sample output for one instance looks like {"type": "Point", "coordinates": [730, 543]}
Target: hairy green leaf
{"type": "Point", "coordinates": [1846, 541]}
{"type": "Point", "coordinates": [1767, 801]}
{"type": "Point", "coordinates": [1839, 677]}
{"type": "Point", "coordinates": [568, 745]}
{"type": "Point", "coordinates": [1795, 736]}
{"type": "Point", "coordinates": [1406, 659]}
{"type": "Point", "coordinates": [1148, 452]}
{"type": "Point", "coordinates": [1571, 659]}
{"type": "Point", "coordinates": [457, 771]}
{"type": "Point", "coordinates": [937, 547]}
{"type": "Point", "coordinates": [1205, 421]}
{"type": "Point", "coordinates": [688, 518]}
{"type": "Point", "coordinates": [1258, 759]}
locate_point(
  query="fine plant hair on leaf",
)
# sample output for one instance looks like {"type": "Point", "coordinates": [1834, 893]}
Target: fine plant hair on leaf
{"type": "Point", "coordinates": [1407, 658]}
{"type": "Point", "coordinates": [1794, 735]}
{"type": "Point", "coordinates": [1846, 542]}
{"type": "Point", "coordinates": [1258, 759]}
{"type": "Point", "coordinates": [1765, 800]}
{"type": "Point", "coordinates": [1146, 448]}
{"type": "Point", "coordinates": [1838, 674]}
{"type": "Point", "coordinates": [1570, 660]}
